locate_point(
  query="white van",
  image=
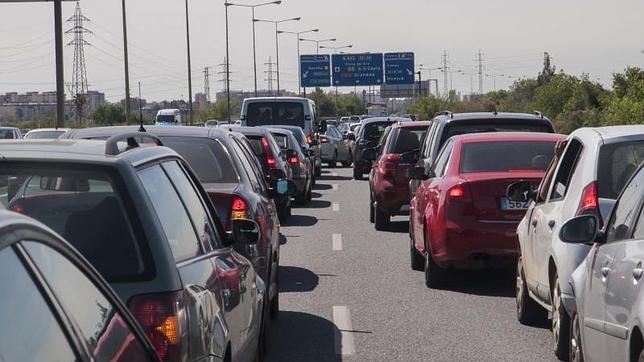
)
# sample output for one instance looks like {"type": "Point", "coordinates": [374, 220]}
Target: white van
{"type": "Point", "coordinates": [168, 117]}
{"type": "Point", "coordinates": [287, 111]}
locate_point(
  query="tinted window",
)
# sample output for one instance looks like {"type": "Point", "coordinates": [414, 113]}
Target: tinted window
{"type": "Point", "coordinates": [626, 211]}
{"type": "Point", "coordinates": [29, 330]}
{"type": "Point", "coordinates": [492, 125]}
{"type": "Point", "coordinates": [373, 131]}
{"type": "Point", "coordinates": [106, 334]}
{"type": "Point", "coordinates": [196, 208]}
{"type": "Point", "coordinates": [566, 170]}
{"type": "Point", "coordinates": [405, 140]}
{"type": "Point", "coordinates": [206, 157]}
{"type": "Point", "coordinates": [7, 134]}
{"type": "Point", "coordinates": [83, 206]}
{"type": "Point", "coordinates": [171, 212]}
{"type": "Point", "coordinates": [484, 156]}
{"type": "Point", "coordinates": [258, 146]}
{"type": "Point", "coordinates": [281, 140]}
{"type": "Point", "coordinates": [442, 160]}
{"type": "Point", "coordinates": [246, 162]}
{"type": "Point", "coordinates": [617, 163]}
{"type": "Point", "coordinates": [268, 113]}
{"type": "Point", "coordinates": [41, 135]}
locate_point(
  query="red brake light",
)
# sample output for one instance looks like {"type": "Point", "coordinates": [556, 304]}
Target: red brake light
{"type": "Point", "coordinates": [294, 160]}
{"type": "Point", "coordinates": [158, 315]}
{"type": "Point", "coordinates": [270, 159]}
{"type": "Point", "coordinates": [459, 192]}
{"type": "Point", "coordinates": [388, 164]}
{"type": "Point", "coordinates": [310, 138]}
{"type": "Point", "coordinates": [589, 203]}
{"type": "Point", "coordinates": [239, 208]}
{"type": "Point", "coordinates": [16, 207]}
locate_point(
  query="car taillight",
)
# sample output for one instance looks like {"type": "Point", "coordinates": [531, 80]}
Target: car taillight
{"type": "Point", "coordinates": [270, 159]}
{"type": "Point", "coordinates": [459, 192]}
{"type": "Point", "coordinates": [388, 165]}
{"type": "Point", "coordinates": [589, 204]}
{"type": "Point", "coordinates": [310, 138]}
{"type": "Point", "coordinates": [239, 209]}
{"type": "Point", "coordinates": [294, 160]}
{"type": "Point", "coordinates": [324, 140]}
{"type": "Point", "coordinates": [17, 207]}
{"type": "Point", "coordinates": [162, 318]}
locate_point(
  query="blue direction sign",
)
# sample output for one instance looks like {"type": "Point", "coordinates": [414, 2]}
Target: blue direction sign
{"type": "Point", "coordinates": [316, 71]}
{"type": "Point", "coordinates": [357, 69]}
{"type": "Point", "coordinates": [399, 68]}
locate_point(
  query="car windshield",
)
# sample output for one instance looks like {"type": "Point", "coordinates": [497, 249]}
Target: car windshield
{"type": "Point", "coordinates": [275, 113]}
{"type": "Point", "coordinates": [44, 135]}
{"type": "Point", "coordinates": [166, 119]}
{"type": "Point", "coordinates": [85, 206]}
{"type": "Point", "coordinates": [206, 157]}
{"type": "Point", "coordinates": [618, 162]}
{"type": "Point", "coordinates": [517, 156]}
{"type": "Point", "coordinates": [6, 134]}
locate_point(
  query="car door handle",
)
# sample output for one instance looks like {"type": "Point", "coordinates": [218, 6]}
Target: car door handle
{"type": "Point", "coordinates": [638, 272]}
{"type": "Point", "coordinates": [605, 271]}
{"type": "Point", "coordinates": [534, 223]}
{"type": "Point", "coordinates": [551, 224]}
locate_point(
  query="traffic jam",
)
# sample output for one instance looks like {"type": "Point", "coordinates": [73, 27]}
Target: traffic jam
{"type": "Point", "coordinates": [163, 242]}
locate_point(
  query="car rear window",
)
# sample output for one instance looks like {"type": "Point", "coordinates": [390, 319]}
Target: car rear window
{"type": "Point", "coordinates": [373, 131]}
{"type": "Point", "coordinates": [275, 113]}
{"type": "Point", "coordinates": [6, 134]}
{"type": "Point", "coordinates": [452, 130]}
{"type": "Point", "coordinates": [618, 162]}
{"type": "Point", "coordinates": [257, 146]}
{"type": "Point", "coordinates": [206, 157]}
{"type": "Point", "coordinates": [42, 135]}
{"type": "Point", "coordinates": [406, 140]}
{"type": "Point", "coordinates": [516, 156]}
{"type": "Point", "coordinates": [84, 206]}
{"type": "Point", "coordinates": [282, 140]}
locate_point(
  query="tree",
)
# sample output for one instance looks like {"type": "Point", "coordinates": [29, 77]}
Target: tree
{"type": "Point", "coordinates": [108, 115]}
{"type": "Point", "coordinates": [219, 111]}
{"type": "Point", "coordinates": [548, 71]}
{"type": "Point", "coordinates": [325, 104]}
{"type": "Point", "coordinates": [350, 104]}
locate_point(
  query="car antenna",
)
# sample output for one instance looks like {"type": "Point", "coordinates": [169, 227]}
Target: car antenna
{"type": "Point", "coordinates": [141, 128]}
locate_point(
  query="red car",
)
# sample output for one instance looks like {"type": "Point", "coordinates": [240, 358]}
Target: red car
{"type": "Point", "coordinates": [388, 180]}
{"type": "Point", "coordinates": [460, 216]}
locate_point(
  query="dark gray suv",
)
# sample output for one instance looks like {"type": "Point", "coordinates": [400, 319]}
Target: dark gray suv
{"type": "Point", "coordinates": [140, 216]}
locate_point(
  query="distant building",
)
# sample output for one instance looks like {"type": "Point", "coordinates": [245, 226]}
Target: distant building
{"type": "Point", "coordinates": [29, 106]}
{"type": "Point", "coordinates": [201, 101]}
{"type": "Point", "coordinates": [239, 96]}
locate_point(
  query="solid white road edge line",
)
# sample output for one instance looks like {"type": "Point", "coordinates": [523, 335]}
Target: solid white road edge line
{"type": "Point", "coordinates": [337, 242]}
{"type": "Point", "coordinates": [344, 344]}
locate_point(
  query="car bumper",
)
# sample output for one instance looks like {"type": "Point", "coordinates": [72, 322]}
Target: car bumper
{"type": "Point", "coordinates": [480, 243]}
{"type": "Point", "coordinates": [394, 201]}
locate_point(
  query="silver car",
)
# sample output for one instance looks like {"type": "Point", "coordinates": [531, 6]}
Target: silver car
{"type": "Point", "coordinates": [608, 313]}
{"type": "Point", "coordinates": [590, 169]}
{"type": "Point", "coordinates": [335, 148]}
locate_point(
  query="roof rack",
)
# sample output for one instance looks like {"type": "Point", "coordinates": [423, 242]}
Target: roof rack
{"type": "Point", "coordinates": [111, 144]}
{"type": "Point", "coordinates": [445, 113]}
{"type": "Point", "coordinates": [538, 114]}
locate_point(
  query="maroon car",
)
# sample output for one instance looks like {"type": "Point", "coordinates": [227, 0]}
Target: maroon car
{"type": "Point", "coordinates": [388, 180]}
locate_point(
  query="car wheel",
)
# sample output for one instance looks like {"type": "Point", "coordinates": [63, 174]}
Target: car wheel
{"type": "Point", "coordinates": [381, 220]}
{"type": "Point", "coordinates": [357, 175]}
{"type": "Point", "coordinates": [334, 161]}
{"type": "Point", "coordinates": [528, 311]}
{"type": "Point", "coordinates": [349, 160]}
{"type": "Point", "coordinates": [301, 198]}
{"type": "Point", "coordinates": [275, 306]}
{"type": "Point", "coordinates": [435, 276]}
{"type": "Point", "coordinates": [318, 171]}
{"type": "Point", "coordinates": [371, 212]}
{"type": "Point", "coordinates": [576, 353]}
{"type": "Point", "coordinates": [284, 213]}
{"type": "Point", "coordinates": [309, 194]}
{"type": "Point", "coordinates": [417, 260]}
{"type": "Point", "coordinates": [560, 323]}
{"type": "Point", "coordinates": [263, 345]}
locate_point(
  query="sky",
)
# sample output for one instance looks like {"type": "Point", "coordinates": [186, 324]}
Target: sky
{"type": "Point", "coordinates": [583, 36]}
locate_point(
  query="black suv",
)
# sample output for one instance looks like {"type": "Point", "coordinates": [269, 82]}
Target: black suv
{"type": "Point", "coordinates": [143, 220]}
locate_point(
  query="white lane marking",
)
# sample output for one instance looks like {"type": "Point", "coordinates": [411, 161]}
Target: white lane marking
{"type": "Point", "coordinates": [337, 242]}
{"type": "Point", "coordinates": [334, 187]}
{"type": "Point", "coordinates": [336, 206]}
{"type": "Point", "coordinates": [333, 174]}
{"type": "Point", "coordinates": [344, 344]}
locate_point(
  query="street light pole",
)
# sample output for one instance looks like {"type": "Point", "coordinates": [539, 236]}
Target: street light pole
{"type": "Point", "coordinates": [127, 66]}
{"type": "Point", "coordinates": [277, 43]}
{"type": "Point", "coordinates": [60, 69]}
{"type": "Point", "coordinates": [189, 67]}
{"type": "Point", "coordinates": [227, 67]}
{"type": "Point", "coordinates": [299, 65]}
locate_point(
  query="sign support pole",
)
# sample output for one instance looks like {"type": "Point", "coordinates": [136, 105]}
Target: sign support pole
{"type": "Point", "coordinates": [60, 69]}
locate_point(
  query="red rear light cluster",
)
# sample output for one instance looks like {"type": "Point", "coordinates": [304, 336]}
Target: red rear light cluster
{"type": "Point", "coordinates": [589, 204]}
{"type": "Point", "coordinates": [17, 207]}
{"type": "Point", "coordinates": [324, 139]}
{"type": "Point", "coordinates": [239, 209]}
{"type": "Point", "coordinates": [310, 138]}
{"type": "Point", "coordinates": [388, 165]}
{"type": "Point", "coordinates": [270, 159]}
{"type": "Point", "coordinates": [160, 317]}
{"type": "Point", "coordinates": [460, 192]}
{"type": "Point", "coordinates": [294, 160]}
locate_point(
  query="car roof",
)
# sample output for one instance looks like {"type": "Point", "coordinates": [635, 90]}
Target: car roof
{"type": "Point", "coordinates": [507, 137]}
{"type": "Point", "coordinates": [161, 131]}
{"type": "Point", "coordinates": [418, 124]}
{"type": "Point", "coordinates": [455, 117]}
{"type": "Point", "coordinates": [281, 131]}
{"type": "Point", "coordinates": [48, 130]}
{"type": "Point", "coordinates": [249, 131]}
{"type": "Point", "coordinates": [275, 99]}
{"type": "Point", "coordinates": [8, 127]}
{"type": "Point", "coordinates": [76, 151]}
{"type": "Point", "coordinates": [619, 131]}
{"type": "Point", "coordinates": [385, 119]}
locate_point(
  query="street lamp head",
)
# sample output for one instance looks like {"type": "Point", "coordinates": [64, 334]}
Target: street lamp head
{"type": "Point", "coordinates": [297, 19]}
{"type": "Point", "coordinates": [316, 30]}
{"type": "Point", "coordinates": [349, 46]}
{"type": "Point", "coordinates": [277, 2]}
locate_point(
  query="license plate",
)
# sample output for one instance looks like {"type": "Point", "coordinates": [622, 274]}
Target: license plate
{"type": "Point", "coordinates": [507, 204]}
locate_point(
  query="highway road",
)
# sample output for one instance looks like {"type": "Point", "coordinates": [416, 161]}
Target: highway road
{"type": "Point", "coordinates": [348, 294]}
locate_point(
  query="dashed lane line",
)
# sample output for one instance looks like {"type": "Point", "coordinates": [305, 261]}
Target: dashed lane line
{"type": "Point", "coordinates": [336, 206]}
{"type": "Point", "coordinates": [337, 242]}
{"type": "Point", "coordinates": [334, 187]}
{"type": "Point", "coordinates": [344, 344]}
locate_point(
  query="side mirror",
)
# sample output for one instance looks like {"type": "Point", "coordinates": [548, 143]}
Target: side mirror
{"type": "Point", "coordinates": [246, 232]}
{"type": "Point", "coordinates": [580, 230]}
{"type": "Point", "coordinates": [418, 173]}
{"type": "Point", "coordinates": [369, 154]}
{"type": "Point", "coordinates": [351, 136]}
{"type": "Point", "coordinates": [323, 127]}
{"type": "Point", "coordinates": [520, 191]}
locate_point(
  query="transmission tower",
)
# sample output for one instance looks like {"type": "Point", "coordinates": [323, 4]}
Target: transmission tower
{"type": "Point", "coordinates": [270, 73]}
{"type": "Point", "coordinates": [78, 87]}
{"type": "Point", "coordinates": [225, 73]}
{"type": "Point", "coordinates": [445, 74]}
{"type": "Point", "coordinates": [480, 70]}
{"type": "Point", "coordinates": [206, 83]}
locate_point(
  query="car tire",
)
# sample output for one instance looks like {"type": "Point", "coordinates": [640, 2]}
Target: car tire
{"type": "Point", "coordinates": [529, 312]}
{"type": "Point", "coordinates": [357, 175]}
{"type": "Point", "coordinates": [318, 172]}
{"type": "Point", "coordinates": [349, 160]}
{"type": "Point", "coordinates": [309, 194]}
{"type": "Point", "coordinates": [264, 343]}
{"type": "Point", "coordinates": [417, 260]}
{"type": "Point", "coordinates": [275, 306]}
{"type": "Point", "coordinates": [576, 352]}
{"type": "Point", "coordinates": [283, 214]}
{"type": "Point", "coordinates": [435, 275]}
{"type": "Point", "coordinates": [301, 199]}
{"type": "Point", "coordinates": [371, 212]}
{"type": "Point", "coordinates": [560, 325]}
{"type": "Point", "coordinates": [334, 161]}
{"type": "Point", "coordinates": [381, 220]}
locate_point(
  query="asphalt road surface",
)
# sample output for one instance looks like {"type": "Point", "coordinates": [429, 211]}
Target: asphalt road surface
{"type": "Point", "coordinates": [347, 293]}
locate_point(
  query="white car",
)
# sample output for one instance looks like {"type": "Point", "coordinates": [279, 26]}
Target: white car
{"type": "Point", "coordinates": [608, 313]}
{"type": "Point", "coordinates": [45, 133]}
{"type": "Point", "coordinates": [585, 178]}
